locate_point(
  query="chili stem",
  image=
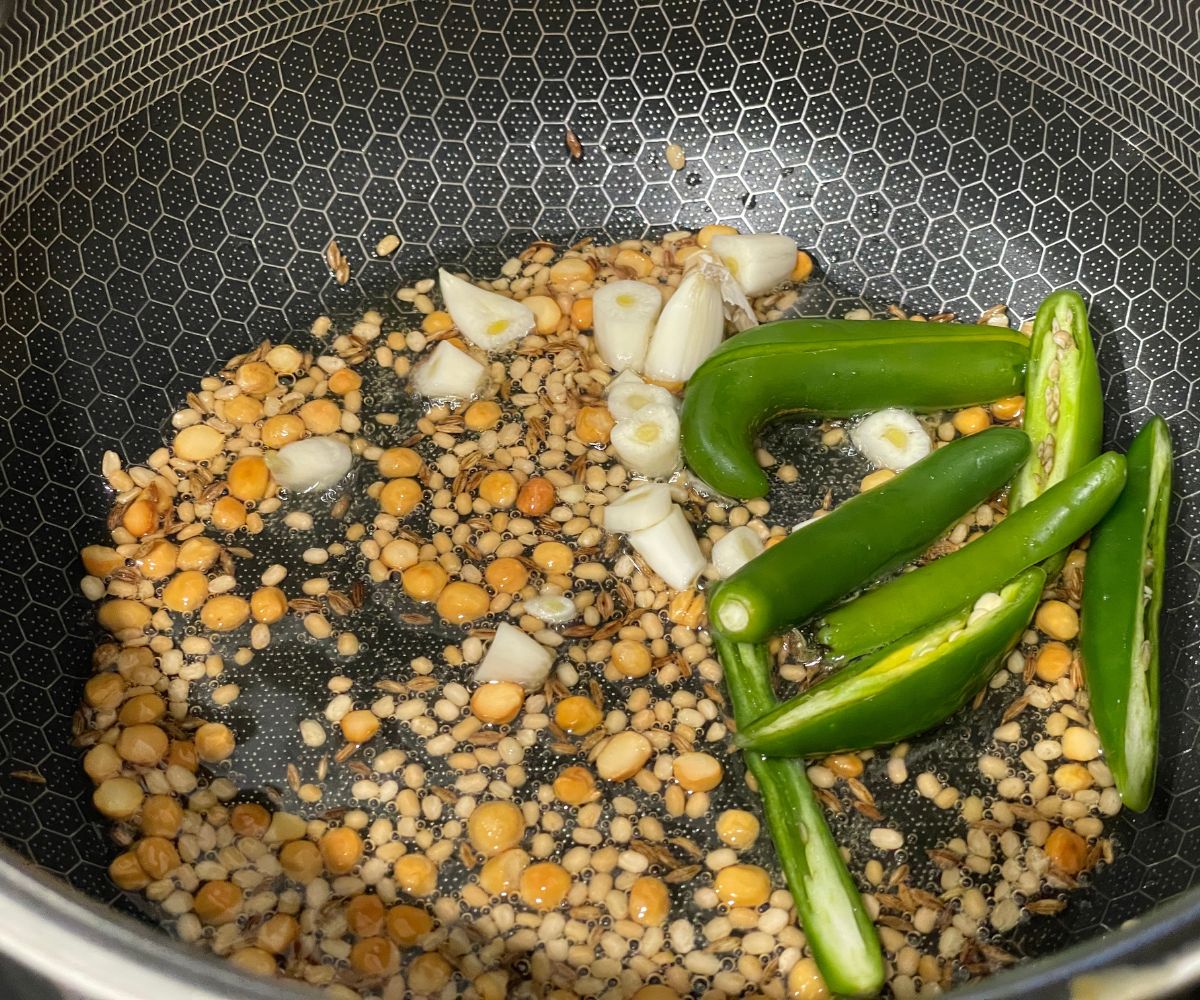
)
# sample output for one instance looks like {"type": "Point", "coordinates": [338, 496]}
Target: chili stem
{"type": "Point", "coordinates": [839, 931]}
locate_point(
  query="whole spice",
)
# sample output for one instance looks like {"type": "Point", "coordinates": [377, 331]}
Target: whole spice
{"type": "Point", "coordinates": [574, 146]}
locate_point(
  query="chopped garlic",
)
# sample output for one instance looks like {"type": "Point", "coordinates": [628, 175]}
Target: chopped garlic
{"type": "Point", "coordinates": [891, 439]}
{"type": "Point", "coordinates": [487, 319]}
{"type": "Point", "coordinates": [448, 373]}
{"type": "Point", "coordinates": [553, 609]}
{"type": "Point", "coordinates": [659, 531]}
{"type": "Point", "coordinates": [688, 331]}
{"type": "Point", "coordinates": [670, 549]}
{"type": "Point", "coordinates": [623, 317]}
{"type": "Point", "coordinates": [733, 550]}
{"type": "Point", "coordinates": [641, 507]}
{"type": "Point", "coordinates": [647, 442]}
{"type": "Point", "coordinates": [626, 398]}
{"type": "Point", "coordinates": [515, 656]}
{"type": "Point", "coordinates": [315, 463]}
{"type": "Point", "coordinates": [758, 262]}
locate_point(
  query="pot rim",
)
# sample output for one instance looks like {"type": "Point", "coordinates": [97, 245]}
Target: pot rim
{"type": "Point", "coordinates": [73, 940]}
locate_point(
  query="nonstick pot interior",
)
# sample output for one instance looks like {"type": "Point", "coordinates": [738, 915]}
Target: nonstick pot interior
{"type": "Point", "coordinates": [170, 174]}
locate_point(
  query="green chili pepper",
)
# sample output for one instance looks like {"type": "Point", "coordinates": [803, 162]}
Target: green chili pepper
{"type": "Point", "coordinates": [1122, 601]}
{"type": "Point", "coordinates": [867, 536]}
{"type": "Point", "coordinates": [911, 686]}
{"type": "Point", "coordinates": [834, 368]}
{"type": "Point", "coordinates": [1064, 405]}
{"type": "Point", "coordinates": [836, 924]}
{"type": "Point", "coordinates": [1034, 533]}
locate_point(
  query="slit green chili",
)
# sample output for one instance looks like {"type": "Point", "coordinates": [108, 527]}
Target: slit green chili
{"type": "Point", "coordinates": [1122, 602]}
{"type": "Point", "coordinates": [1063, 401]}
{"type": "Point", "coordinates": [835, 922]}
{"type": "Point", "coordinates": [834, 368]}
{"type": "Point", "coordinates": [912, 685]}
{"type": "Point", "coordinates": [1045, 527]}
{"type": "Point", "coordinates": [1064, 405]}
{"type": "Point", "coordinates": [865, 537]}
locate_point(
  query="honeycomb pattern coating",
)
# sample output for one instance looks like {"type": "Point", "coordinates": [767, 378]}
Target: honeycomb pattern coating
{"type": "Point", "coordinates": [919, 172]}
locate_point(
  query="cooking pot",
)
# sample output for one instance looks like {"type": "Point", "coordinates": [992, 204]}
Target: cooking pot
{"type": "Point", "coordinates": [172, 170]}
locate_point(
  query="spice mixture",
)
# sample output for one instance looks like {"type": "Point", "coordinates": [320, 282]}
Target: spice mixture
{"type": "Point", "coordinates": [435, 836]}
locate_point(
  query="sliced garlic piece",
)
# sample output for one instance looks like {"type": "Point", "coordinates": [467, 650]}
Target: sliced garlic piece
{"type": "Point", "coordinates": [648, 442]}
{"type": "Point", "coordinates": [891, 439]}
{"type": "Point", "coordinates": [487, 319]}
{"type": "Point", "coordinates": [623, 317]}
{"type": "Point", "coordinates": [670, 549]}
{"type": "Point", "coordinates": [515, 656]}
{"type": "Point", "coordinates": [625, 399]}
{"type": "Point", "coordinates": [315, 463]}
{"type": "Point", "coordinates": [448, 373]}
{"type": "Point", "coordinates": [757, 262]}
{"type": "Point", "coordinates": [733, 550]}
{"type": "Point", "coordinates": [553, 609]}
{"type": "Point", "coordinates": [641, 507]}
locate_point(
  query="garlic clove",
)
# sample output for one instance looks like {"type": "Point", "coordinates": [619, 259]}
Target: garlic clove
{"type": "Point", "coordinates": [891, 439]}
{"type": "Point", "coordinates": [641, 507]}
{"type": "Point", "coordinates": [647, 443]}
{"type": "Point", "coordinates": [553, 609]}
{"type": "Point", "coordinates": [733, 550]}
{"type": "Point", "coordinates": [487, 319]}
{"type": "Point", "coordinates": [627, 398]}
{"type": "Point", "coordinates": [739, 313]}
{"type": "Point", "coordinates": [315, 463]}
{"type": "Point", "coordinates": [448, 373]}
{"type": "Point", "coordinates": [758, 262]}
{"type": "Point", "coordinates": [623, 318]}
{"type": "Point", "coordinates": [692, 323]}
{"type": "Point", "coordinates": [690, 327]}
{"type": "Point", "coordinates": [515, 656]}
{"type": "Point", "coordinates": [670, 549]}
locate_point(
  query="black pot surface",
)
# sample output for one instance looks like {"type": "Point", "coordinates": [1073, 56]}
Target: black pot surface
{"type": "Point", "coordinates": [164, 206]}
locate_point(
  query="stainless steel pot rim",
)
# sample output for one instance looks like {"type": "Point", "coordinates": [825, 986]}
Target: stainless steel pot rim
{"type": "Point", "coordinates": [77, 943]}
